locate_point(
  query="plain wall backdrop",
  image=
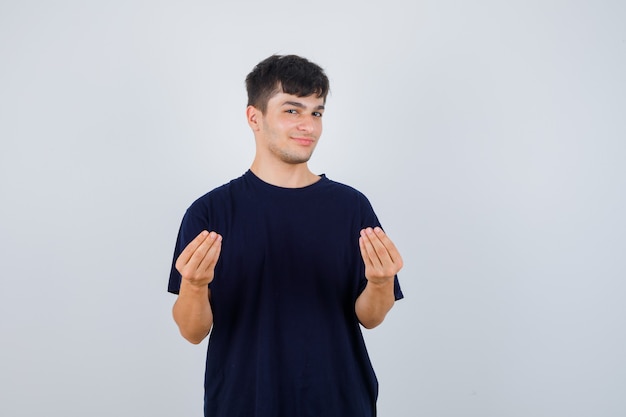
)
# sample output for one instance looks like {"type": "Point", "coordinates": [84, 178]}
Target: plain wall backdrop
{"type": "Point", "coordinates": [489, 136]}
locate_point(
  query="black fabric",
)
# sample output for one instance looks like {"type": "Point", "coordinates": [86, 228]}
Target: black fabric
{"type": "Point", "coordinates": [285, 339]}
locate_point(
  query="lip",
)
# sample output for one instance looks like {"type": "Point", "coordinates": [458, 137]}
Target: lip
{"type": "Point", "coordinates": [303, 141]}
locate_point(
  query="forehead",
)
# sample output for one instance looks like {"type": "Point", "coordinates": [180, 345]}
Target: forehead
{"type": "Point", "coordinates": [280, 99]}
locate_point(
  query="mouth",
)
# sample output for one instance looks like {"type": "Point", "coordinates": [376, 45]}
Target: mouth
{"type": "Point", "coordinates": [303, 141]}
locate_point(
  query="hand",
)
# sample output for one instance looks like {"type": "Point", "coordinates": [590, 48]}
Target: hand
{"type": "Point", "coordinates": [382, 259]}
{"type": "Point", "coordinates": [196, 263]}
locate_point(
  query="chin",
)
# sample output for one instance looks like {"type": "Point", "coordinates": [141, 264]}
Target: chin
{"type": "Point", "coordinates": [295, 159]}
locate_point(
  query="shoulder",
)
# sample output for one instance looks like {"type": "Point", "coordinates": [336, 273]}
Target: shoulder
{"type": "Point", "coordinates": [355, 201]}
{"type": "Point", "coordinates": [219, 195]}
{"type": "Point", "coordinates": [344, 190]}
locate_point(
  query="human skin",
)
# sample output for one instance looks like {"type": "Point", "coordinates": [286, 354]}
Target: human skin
{"type": "Point", "coordinates": [192, 310]}
{"type": "Point", "coordinates": [382, 262]}
{"type": "Point", "coordinates": [196, 264]}
{"type": "Point", "coordinates": [286, 136]}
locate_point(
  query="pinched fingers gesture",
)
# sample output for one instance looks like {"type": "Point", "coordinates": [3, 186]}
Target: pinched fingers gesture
{"type": "Point", "coordinates": [382, 259]}
{"type": "Point", "coordinates": [196, 263]}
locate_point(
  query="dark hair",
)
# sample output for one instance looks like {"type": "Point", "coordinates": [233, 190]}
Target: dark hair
{"type": "Point", "coordinates": [290, 74]}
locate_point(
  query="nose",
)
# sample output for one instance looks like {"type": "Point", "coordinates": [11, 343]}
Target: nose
{"type": "Point", "coordinates": [307, 124]}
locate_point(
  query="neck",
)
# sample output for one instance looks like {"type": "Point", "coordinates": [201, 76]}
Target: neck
{"type": "Point", "coordinates": [284, 175]}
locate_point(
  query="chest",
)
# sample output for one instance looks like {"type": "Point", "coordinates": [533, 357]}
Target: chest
{"type": "Point", "coordinates": [295, 248]}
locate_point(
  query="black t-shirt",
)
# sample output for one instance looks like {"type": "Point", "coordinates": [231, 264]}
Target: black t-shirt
{"type": "Point", "coordinates": [285, 341]}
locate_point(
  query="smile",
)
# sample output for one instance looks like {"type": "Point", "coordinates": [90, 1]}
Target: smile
{"type": "Point", "coordinates": [303, 141]}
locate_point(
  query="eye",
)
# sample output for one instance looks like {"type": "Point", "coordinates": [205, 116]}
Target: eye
{"type": "Point", "coordinates": [291, 111]}
{"type": "Point", "coordinates": [317, 114]}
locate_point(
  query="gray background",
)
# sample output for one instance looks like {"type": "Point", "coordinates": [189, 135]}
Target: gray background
{"type": "Point", "coordinates": [488, 135]}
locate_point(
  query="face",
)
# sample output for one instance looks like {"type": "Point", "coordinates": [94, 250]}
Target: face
{"type": "Point", "coordinates": [290, 128]}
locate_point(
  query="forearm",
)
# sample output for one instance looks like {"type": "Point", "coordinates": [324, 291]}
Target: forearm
{"type": "Point", "coordinates": [374, 303]}
{"type": "Point", "coordinates": [192, 312]}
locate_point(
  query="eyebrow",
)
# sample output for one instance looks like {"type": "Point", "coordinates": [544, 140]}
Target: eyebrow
{"type": "Point", "coordinates": [300, 105]}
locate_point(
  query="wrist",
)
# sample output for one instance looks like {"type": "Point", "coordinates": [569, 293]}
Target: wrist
{"type": "Point", "coordinates": [188, 288]}
{"type": "Point", "coordinates": [381, 283]}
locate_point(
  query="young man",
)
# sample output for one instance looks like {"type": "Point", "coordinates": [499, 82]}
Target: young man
{"type": "Point", "coordinates": [281, 266]}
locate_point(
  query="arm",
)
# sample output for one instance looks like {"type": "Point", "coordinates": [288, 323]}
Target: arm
{"type": "Point", "coordinates": [192, 309]}
{"type": "Point", "coordinates": [382, 262]}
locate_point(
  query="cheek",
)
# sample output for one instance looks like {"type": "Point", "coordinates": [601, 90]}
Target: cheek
{"type": "Point", "coordinates": [285, 123]}
{"type": "Point", "coordinates": [279, 126]}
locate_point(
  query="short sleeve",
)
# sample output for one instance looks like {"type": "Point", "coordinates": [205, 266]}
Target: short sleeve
{"type": "Point", "coordinates": [194, 221]}
{"type": "Point", "coordinates": [369, 219]}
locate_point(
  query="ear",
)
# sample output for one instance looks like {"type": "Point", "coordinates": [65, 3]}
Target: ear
{"type": "Point", "coordinates": [254, 117]}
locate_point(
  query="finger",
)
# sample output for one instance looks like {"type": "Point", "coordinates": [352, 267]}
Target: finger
{"type": "Point", "coordinates": [369, 246]}
{"type": "Point", "coordinates": [211, 257]}
{"type": "Point", "coordinates": [386, 252]}
{"type": "Point", "coordinates": [190, 249]}
{"type": "Point", "coordinates": [201, 252]}
{"type": "Point", "coordinates": [379, 246]}
{"type": "Point", "coordinates": [392, 251]}
{"type": "Point", "coordinates": [364, 253]}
